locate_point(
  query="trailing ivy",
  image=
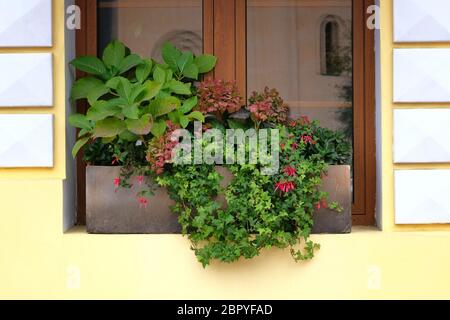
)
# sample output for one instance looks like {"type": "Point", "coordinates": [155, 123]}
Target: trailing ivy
{"type": "Point", "coordinates": [261, 211]}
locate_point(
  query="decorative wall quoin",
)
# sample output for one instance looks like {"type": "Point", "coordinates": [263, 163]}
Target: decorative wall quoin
{"type": "Point", "coordinates": [27, 80]}
{"type": "Point", "coordinates": [26, 140]}
{"type": "Point", "coordinates": [25, 23]}
{"type": "Point", "coordinates": [421, 75]}
{"type": "Point", "coordinates": [421, 135]}
{"type": "Point", "coordinates": [421, 20]}
{"type": "Point", "coordinates": [421, 196]}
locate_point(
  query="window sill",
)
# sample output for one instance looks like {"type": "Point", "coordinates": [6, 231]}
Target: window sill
{"type": "Point", "coordinates": [357, 231]}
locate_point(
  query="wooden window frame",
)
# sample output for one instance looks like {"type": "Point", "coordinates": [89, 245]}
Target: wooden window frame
{"type": "Point", "coordinates": [224, 21]}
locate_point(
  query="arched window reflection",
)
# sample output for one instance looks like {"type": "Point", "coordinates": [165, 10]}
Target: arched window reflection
{"type": "Point", "coordinates": [184, 40]}
{"type": "Point", "coordinates": [144, 25]}
{"type": "Point", "coordinates": [330, 47]}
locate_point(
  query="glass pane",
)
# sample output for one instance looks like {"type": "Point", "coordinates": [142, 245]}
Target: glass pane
{"type": "Point", "coordinates": [145, 25]}
{"type": "Point", "coordinates": [304, 49]}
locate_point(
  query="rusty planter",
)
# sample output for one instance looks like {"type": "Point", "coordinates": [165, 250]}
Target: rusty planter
{"type": "Point", "coordinates": [110, 211]}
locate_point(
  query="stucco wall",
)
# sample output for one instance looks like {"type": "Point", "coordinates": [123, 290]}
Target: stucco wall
{"type": "Point", "coordinates": [38, 260]}
{"type": "Point", "coordinates": [389, 106]}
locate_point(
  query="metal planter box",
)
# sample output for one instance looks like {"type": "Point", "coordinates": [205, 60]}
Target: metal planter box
{"type": "Point", "coordinates": [338, 184]}
{"type": "Point", "coordinates": [110, 211]}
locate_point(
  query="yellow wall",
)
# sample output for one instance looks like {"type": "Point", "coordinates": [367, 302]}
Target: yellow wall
{"type": "Point", "coordinates": [37, 260]}
{"type": "Point", "coordinates": [58, 172]}
{"type": "Point", "coordinates": [387, 47]}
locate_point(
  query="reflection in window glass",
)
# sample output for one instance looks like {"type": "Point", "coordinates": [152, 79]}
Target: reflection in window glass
{"type": "Point", "coordinates": [303, 48]}
{"type": "Point", "coordinates": [329, 47]}
{"type": "Point", "coordinates": [145, 25]}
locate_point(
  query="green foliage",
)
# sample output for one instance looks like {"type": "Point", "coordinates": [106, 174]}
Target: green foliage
{"type": "Point", "coordinates": [131, 98]}
{"type": "Point", "coordinates": [260, 212]}
{"type": "Point", "coordinates": [98, 153]}
{"type": "Point", "coordinates": [185, 64]}
{"type": "Point", "coordinates": [127, 153]}
{"type": "Point", "coordinates": [134, 105]}
{"type": "Point", "coordinates": [332, 147]}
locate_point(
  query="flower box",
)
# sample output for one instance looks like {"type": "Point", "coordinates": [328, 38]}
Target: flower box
{"type": "Point", "coordinates": [111, 211]}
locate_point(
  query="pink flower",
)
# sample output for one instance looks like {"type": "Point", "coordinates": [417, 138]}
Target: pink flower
{"type": "Point", "coordinates": [284, 186]}
{"type": "Point", "coordinates": [140, 179]}
{"type": "Point", "coordinates": [307, 139]}
{"type": "Point", "coordinates": [116, 183]}
{"type": "Point", "coordinates": [322, 203]}
{"type": "Point", "coordinates": [260, 110]}
{"type": "Point", "coordinates": [143, 202]}
{"type": "Point", "coordinates": [294, 146]}
{"type": "Point", "coordinates": [218, 96]}
{"type": "Point", "coordinates": [304, 120]}
{"type": "Point", "coordinates": [290, 171]}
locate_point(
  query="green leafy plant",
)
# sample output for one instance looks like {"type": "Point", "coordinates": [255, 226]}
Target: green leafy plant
{"type": "Point", "coordinates": [134, 106]}
{"type": "Point", "coordinates": [261, 211]}
{"type": "Point", "coordinates": [131, 101]}
{"type": "Point", "coordinates": [130, 98]}
{"type": "Point", "coordinates": [318, 143]}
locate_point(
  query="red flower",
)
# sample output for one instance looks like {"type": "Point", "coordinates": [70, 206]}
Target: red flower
{"type": "Point", "coordinates": [143, 202]}
{"type": "Point", "coordinates": [292, 123]}
{"type": "Point", "coordinates": [284, 186]}
{"type": "Point", "coordinates": [304, 120]}
{"type": "Point", "coordinates": [140, 180]}
{"type": "Point", "coordinates": [290, 171]}
{"type": "Point", "coordinates": [322, 203]}
{"type": "Point", "coordinates": [294, 146]}
{"type": "Point", "coordinates": [116, 183]}
{"type": "Point", "coordinates": [307, 139]}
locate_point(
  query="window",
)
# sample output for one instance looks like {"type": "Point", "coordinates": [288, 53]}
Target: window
{"type": "Point", "coordinates": [282, 53]}
{"type": "Point", "coordinates": [320, 74]}
{"type": "Point", "coordinates": [145, 25]}
{"type": "Point", "coordinates": [319, 54]}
